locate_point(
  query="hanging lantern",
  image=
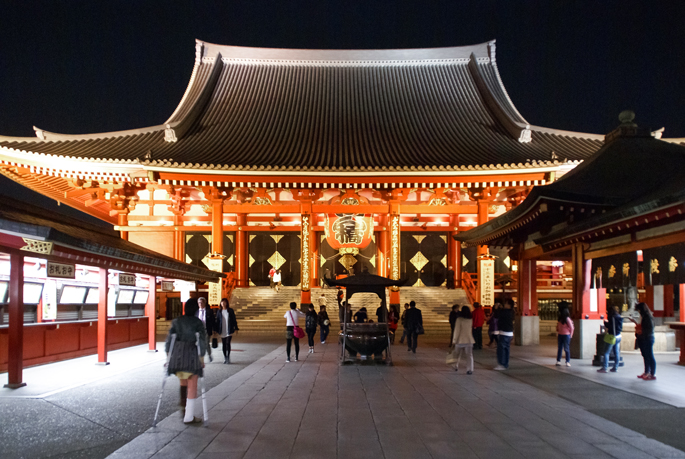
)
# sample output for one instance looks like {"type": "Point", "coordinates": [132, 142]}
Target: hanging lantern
{"type": "Point", "coordinates": [349, 232]}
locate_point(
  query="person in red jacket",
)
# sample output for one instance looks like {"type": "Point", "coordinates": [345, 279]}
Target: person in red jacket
{"type": "Point", "coordinates": [478, 321]}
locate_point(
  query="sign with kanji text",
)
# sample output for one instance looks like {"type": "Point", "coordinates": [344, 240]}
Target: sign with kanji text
{"type": "Point", "coordinates": [487, 282]}
{"type": "Point", "coordinates": [215, 264]}
{"type": "Point", "coordinates": [127, 279]}
{"type": "Point", "coordinates": [61, 270]}
{"type": "Point", "coordinates": [167, 286]}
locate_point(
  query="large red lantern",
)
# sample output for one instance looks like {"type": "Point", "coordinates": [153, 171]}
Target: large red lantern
{"type": "Point", "coordinates": [348, 232]}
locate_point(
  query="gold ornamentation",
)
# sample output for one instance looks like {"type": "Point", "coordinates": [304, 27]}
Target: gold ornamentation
{"type": "Point", "coordinates": [277, 237]}
{"type": "Point", "coordinates": [347, 261]}
{"type": "Point", "coordinates": [372, 260]}
{"type": "Point", "coordinates": [626, 269]}
{"type": "Point", "coordinates": [354, 251]}
{"type": "Point", "coordinates": [419, 238]}
{"type": "Point", "coordinates": [654, 266]}
{"type": "Point", "coordinates": [349, 229]}
{"type": "Point", "coordinates": [437, 202]}
{"type": "Point", "coordinates": [188, 259]}
{"type": "Point", "coordinates": [612, 271]}
{"type": "Point", "coordinates": [464, 260]}
{"type": "Point", "coordinates": [598, 272]}
{"type": "Point", "coordinates": [444, 260]}
{"type": "Point", "coordinates": [322, 260]}
{"type": "Point", "coordinates": [672, 264]}
{"type": "Point", "coordinates": [207, 208]}
{"type": "Point", "coordinates": [419, 260]}
{"type": "Point", "coordinates": [42, 247]}
{"type": "Point", "coordinates": [230, 237]}
{"type": "Point", "coordinates": [444, 238]}
{"type": "Point", "coordinates": [251, 260]}
{"type": "Point", "coordinates": [350, 202]}
{"type": "Point", "coordinates": [229, 260]}
{"type": "Point", "coordinates": [262, 201]}
{"type": "Point", "coordinates": [276, 260]}
{"type": "Point", "coordinates": [252, 236]}
{"type": "Point", "coordinates": [305, 258]}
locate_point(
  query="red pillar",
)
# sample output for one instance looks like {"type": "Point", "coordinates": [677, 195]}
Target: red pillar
{"type": "Point", "coordinates": [122, 220]}
{"type": "Point", "coordinates": [483, 217]}
{"type": "Point", "coordinates": [382, 247]}
{"type": "Point", "coordinates": [241, 251]}
{"type": "Point", "coordinates": [527, 288]}
{"type": "Point", "coordinates": [582, 281]}
{"type": "Point", "coordinates": [306, 254]}
{"type": "Point", "coordinates": [454, 250]}
{"type": "Point", "coordinates": [218, 226]}
{"type": "Point", "coordinates": [15, 344]}
{"type": "Point", "coordinates": [394, 234]}
{"type": "Point", "coordinates": [102, 317]}
{"type": "Point", "coordinates": [151, 314]}
{"type": "Point", "coordinates": [682, 302]}
{"type": "Point", "coordinates": [316, 267]}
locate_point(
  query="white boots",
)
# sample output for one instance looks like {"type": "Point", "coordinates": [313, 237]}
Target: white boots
{"type": "Point", "coordinates": [190, 418]}
{"type": "Point", "coordinates": [311, 349]}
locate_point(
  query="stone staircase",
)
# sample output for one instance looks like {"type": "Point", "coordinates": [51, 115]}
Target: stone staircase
{"type": "Point", "coordinates": [435, 304]}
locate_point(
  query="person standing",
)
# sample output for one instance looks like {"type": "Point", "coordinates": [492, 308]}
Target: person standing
{"type": "Point", "coordinates": [492, 324]}
{"type": "Point", "coordinates": [478, 321]}
{"type": "Point", "coordinates": [185, 361]}
{"type": "Point", "coordinates": [381, 313]}
{"type": "Point", "coordinates": [206, 316]}
{"type": "Point", "coordinates": [392, 325]}
{"type": "Point", "coordinates": [291, 321]}
{"type": "Point", "coordinates": [414, 326]}
{"type": "Point", "coordinates": [272, 271]}
{"type": "Point", "coordinates": [645, 340]}
{"type": "Point", "coordinates": [505, 333]}
{"type": "Point", "coordinates": [450, 278]}
{"type": "Point", "coordinates": [360, 316]}
{"type": "Point", "coordinates": [324, 323]}
{"type": "Point", "coordinates": [613, 327]}
{"type": "Point", "coordinates": [453, 320]}
{"type": "Point", "coordinates": [277, 279]}
{"type": "Point", "coordinates": [403, 322]}
{"type": "Point", "coordinates": [463, 339]}
{"type": "Point", "coordinates": [564, 333]}
{"type": "Point", "coordinates": [310, 322]}
{"type": "Point", "coordinates": [227, 325]}
{"type": "Point", "coordinates": [339, 297]}
{"type": "Point", "coordinates": [326, 277]}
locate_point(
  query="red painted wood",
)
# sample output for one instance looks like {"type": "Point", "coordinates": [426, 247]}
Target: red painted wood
{"type": "Point", "coordinates": [102, 316]}
{"type": "Point", "coordinates": [682, 308]}
{"type": "Point", "coordinates": [15, 362]}
{"type": "Point", "coordinates": [151, 313]}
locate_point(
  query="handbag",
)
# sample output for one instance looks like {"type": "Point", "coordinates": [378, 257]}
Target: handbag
{"type": "Point", "coordinates": [326, 322]}
{"type": "Point", "coordinates": [215, 343]}
{"type": "Point", "coordinates": [419, 329]}
{"type": "Point", "coordinates": [451, 358]}
{"type": "Point", "coordinates": [297, 330]}
{"type": "Point", "coordinates": [609, 339]}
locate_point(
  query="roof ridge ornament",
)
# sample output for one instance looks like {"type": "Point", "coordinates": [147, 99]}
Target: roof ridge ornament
{"type": "Point", "coordinates": [627, 128]}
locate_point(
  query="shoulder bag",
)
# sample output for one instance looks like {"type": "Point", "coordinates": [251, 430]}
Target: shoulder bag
{"type": "Point", "coordinates": [297, 330]}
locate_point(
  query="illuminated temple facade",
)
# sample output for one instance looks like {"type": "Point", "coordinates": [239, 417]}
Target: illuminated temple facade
{"type": "Point", "coordinates": [269, 148]}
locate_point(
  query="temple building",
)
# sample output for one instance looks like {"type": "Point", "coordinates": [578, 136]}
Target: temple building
{"type": "Point", "coordinates": [314, 162]}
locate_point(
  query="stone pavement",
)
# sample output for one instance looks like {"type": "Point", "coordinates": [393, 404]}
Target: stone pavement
{"type": "Point", "coordinates": [417, 408]}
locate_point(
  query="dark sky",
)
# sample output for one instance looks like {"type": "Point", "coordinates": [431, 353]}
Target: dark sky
{"type": "Point", "coordinates": [93, 66]}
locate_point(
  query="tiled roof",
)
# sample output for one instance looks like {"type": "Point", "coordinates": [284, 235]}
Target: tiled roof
{"type": "Point", "coordinates": [251, 108]}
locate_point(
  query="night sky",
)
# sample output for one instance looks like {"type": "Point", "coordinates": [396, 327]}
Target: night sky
{"type": "Point", "coordinates": [94, 66]}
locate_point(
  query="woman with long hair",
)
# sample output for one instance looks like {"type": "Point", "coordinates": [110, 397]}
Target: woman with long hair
{"type": "Point", "coordinates": [310, 322]}
{"type": "Point", "coordinates": [324, 323]}
{"type": "Point", "coordinates": [185, 361]}
{"type": "Point", "coordinates": [613, 327]}
{"type": "Point", "coordinates": [462, 339]}
{"type": "Point", "coordinates": [227, 326]}
{"type": "Point", "coordinates": [564, 333]}
{"type": "Point", "coordinates": [291, 318]}
{"type": "Point", "coordinates": [645, 340]}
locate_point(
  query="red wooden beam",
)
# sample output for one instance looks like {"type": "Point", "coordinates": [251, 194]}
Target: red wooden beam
{"type": "Point", "coordinates": [151, 313]}
{"type": "Point", "coordinates": [102, 317]}
{"type": "Point", "coordinates": [15, 342]}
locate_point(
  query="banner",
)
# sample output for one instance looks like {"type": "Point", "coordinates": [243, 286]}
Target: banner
{"type": "Point", "coordinates": [487, 282]}
{"type": "Point", "coordinates": [215, 264]}
{"type": "Point", "coordinates": [50, 300]}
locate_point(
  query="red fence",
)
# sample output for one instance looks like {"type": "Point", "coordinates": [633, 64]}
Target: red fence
{"type": "Point", "coordinates": [52, 342]}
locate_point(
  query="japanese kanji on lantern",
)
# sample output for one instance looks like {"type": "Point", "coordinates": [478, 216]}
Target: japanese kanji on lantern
{"type": "Point", "coordinates": [349, 232]}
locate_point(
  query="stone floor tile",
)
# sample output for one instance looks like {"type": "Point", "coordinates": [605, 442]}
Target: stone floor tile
{"type": "Point", "coordinates": [180, 450]}
{"type": "Point", "coordinates": [230, 440]}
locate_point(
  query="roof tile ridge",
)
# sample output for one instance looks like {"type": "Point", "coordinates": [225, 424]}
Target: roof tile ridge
{"type": "Point", "coordinates": [516, 129]}
{"type": "Point", "coordinates": [44, 135]}
{"type": "Point", "coordinates": [493, 61]}
{"type": "Point", "coordinates": [561, 132]}
{"type": "Point", "coordinates": [174, 130]}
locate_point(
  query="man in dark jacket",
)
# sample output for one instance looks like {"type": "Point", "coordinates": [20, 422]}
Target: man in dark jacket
{"type": "Point", "coordinates": [453, 320]}
{"type": "Point", "coordinates": [505, 333]}
{"type": "Point", "coordinates": [450, 278]}
{"type": "Point", "coordinates": [414, 326]}
{"type": "Point", "coordinates": [206, 315]}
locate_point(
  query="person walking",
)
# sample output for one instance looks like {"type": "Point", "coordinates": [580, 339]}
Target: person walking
{"type": "Point", "coordinates": [324, 323]}
{"type": "Point", "coordinates": [227, 325]}
{"type": "Point", "coordinates": [564, 333]}
{"type": "Point", "coordinates": [360, 316]}
{"type": "Point", "coordinates": [644, 335]}
{"type": "Point", "coordinates": [505, 333]}
{"type": "Point", "coordinates": [291, 321]}
{"type": "Point", "coordinates": [310, 323]}
{"type": "Point", "coordinates": [392, 325]}
{"type": "Point", "coordinates": [463, 339]}
{"type": "Point", "coordinates": [206, 315]}
{"type": "Point", "coordinates": [613, 327]}
{"type": "Point", "coordinates": [414, 326]}
{"type": "Point", "coordinates": [272, 271]}
{"type": "Point", "coordinates": [453, 320]}
{"type": "Point", "coordinates": [277, 280]}
{"type": "Point", "coordinates": [403, 322]}
{"type": "Point", "coordinates": [478, 321]}
{"type": "Point", "coordinates": [185, 361]}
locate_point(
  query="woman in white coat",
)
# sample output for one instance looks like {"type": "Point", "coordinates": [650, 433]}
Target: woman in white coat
{"type": "Point", "coordinates": [462, 339]}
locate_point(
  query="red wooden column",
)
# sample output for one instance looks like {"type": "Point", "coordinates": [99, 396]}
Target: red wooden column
{"type": "Point", "coordinates": [316, 267]}
{"type": "Point", "coordinates": [306, 254]}
{"type": "Point", "coordinates": [527, 288]}
{"type": "Point", "coordinates": [682, 302]}
{"type": "Point", "coordinates": [454, 250]}
{"type": "Point", "coordinates": [241, 252]}
{"type": "Point", "coordinates": [395, 237]}
{"type": "Point", "coordinates": [382, 247]}
{"type": "Point", "coordinates": [103, 288]}
{"type": "Point", "coordinates": [15, 344]}
{"type": "Point", "coordinates": [583, 343]}
{"type": "Point", "coordinates": [122, 220]}
{"type": "Point", "coordinates": [218, 226]}
{"type": "Point", "coordinates": [151, 314]}
{"type": "Point", "coordinates": [483, 209]}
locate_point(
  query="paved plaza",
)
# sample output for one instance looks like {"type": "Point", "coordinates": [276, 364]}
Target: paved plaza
{"type": "Point", "coordinates": [418, 408]}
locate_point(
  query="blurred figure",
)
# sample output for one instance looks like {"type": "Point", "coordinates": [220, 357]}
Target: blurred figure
{"type": "Point", "coordinates": [463, 339]}
{"type": "Point", "coordinates": [564, 333]}
{"type": "Point", "coordinates": [478, 321]}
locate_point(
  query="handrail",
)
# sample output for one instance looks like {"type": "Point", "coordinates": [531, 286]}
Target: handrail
{"type": "Point", "coordinates": [469, 286]}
